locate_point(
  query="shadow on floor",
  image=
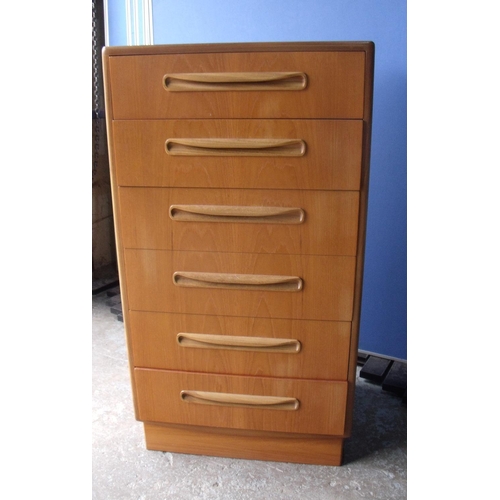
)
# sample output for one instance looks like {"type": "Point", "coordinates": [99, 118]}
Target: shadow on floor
{"type": "Point", "coordinates": [379, 423]}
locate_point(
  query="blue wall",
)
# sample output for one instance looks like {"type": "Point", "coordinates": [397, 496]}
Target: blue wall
{"type": "Point", "coordinates": [383, 317]}
{"type": "Point", "coordinates": [117, 24]}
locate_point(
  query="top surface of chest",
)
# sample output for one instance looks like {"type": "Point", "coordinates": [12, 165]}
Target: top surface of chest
{"type": "Point", "coordinates": [239, 81]}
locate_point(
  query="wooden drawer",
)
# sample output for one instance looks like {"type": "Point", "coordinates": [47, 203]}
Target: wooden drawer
{"type": "Point", "coordinates": [239, 181]}
{"type": "Point", "coordinates": [305, 406]}
{"type": "Point", "coordinates": [240, 346]}
{"type": "Point", "coordinates": [334, 85]}
{"type": "Point", "coordinates": [240, 220]}
{"type": "Point", "coordinates": [329, 158]}
{"type": "Point", "coordinates": [254, 285]}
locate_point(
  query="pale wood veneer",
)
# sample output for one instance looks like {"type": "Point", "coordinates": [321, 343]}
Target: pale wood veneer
{"type": "Point", "coordinates": [327, 294]}
{"type": "Point", "coordinates": [329, 225]}
{"type": "Point", "coordinates": [332, 159]}
{"type": "Point", "coordinates": [335, 86]}
{"type": "Point", "coordinates": [251, 445]}
{"type": "Point", "coordinates": [215, 82]}
{"type": "Point", "coordinates": [326, 108]}
{"type": "Point", "coordinates": [324, 350]}
{"type": "Point", "coordinates": [321, 411]}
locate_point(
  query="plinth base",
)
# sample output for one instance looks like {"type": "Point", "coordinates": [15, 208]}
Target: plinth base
{"type": "Point", "coordinates": [251, 445]}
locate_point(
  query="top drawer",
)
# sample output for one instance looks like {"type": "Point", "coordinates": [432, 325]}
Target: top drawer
{"type": "Point", "coordinates": [242, 85]}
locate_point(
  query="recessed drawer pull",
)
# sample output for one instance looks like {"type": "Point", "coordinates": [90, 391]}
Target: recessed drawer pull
{"type": "Point", "coordinates": [195, 82]}
{"type": "Point", "coordinates": [240, 400]}
{"type": "Point", "coordinates": [238, 343]}
{"type": "Point", "coordinates": [238, 281]}
{"type": "Point", "coordinates": [222, 213]}
{"type": "Point", "coordinates": [235, 147]}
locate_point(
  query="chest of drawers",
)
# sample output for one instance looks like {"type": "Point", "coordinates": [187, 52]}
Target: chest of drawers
{"type": "Point", "coordinates": [239, 183]}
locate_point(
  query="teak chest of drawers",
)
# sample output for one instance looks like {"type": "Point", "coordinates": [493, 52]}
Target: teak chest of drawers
{"type": "Point", "coordinates": [239, 181]}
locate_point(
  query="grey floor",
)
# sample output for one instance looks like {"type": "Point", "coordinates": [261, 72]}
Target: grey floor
{"type": "Point", "coordinates": [374, 457]}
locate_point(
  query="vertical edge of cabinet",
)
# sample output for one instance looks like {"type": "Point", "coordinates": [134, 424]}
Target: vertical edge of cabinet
{"type": "Point", "coordinates": [363, 209]}
{"type": "Point", "coordinates": [116, 215]}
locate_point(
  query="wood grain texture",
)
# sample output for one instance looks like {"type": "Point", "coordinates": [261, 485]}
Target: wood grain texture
{"type": "Point", "coordinates": [216, 82]}
{"type": "Point", "coordinates": [113, 167]}
{"type": "Point", "coordinates": [324, 349]}
{"type": "Point", "coordinates": [363, 214]}
{"type": "Point", "coordinates": [238, 343]}
{"type": "Point", "coordinates": [250, 445]}
{"type": "Point", "coordinates": [335, 86]}
{"type": "Point", "coordinates": [238, 48]}
{"type": "Point", "coordinates": [235, 147]}
{"type": "Point", "coordinates": [321, 411]}
{"type": "Point", "coordinates": [137, 159]}
{"type": "Point", "coordinates": [237, 281]}
{"type": "Point", "coordinates": [231, 400]}
{"type": "Point", "coordinates": [327, 293]}
{"type": "Point", "coordinates": [332, 160]}
{"type": "Point", "coordinates": [329, 225]}
{"type": "Point", "coordinates": [236, 214]}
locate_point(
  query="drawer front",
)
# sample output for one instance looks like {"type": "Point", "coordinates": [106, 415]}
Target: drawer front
{"type": "Point", "coordinates": [240, 346]}
{"type": "Point", "coordinates": [240, 220]}
{"type": "Point", "coordinates": [325, 154]}
{"type": "Point", "coordinates": [241, 284]}
{"type": "Point", "coordinates": [252, 403]}
{"type": "Point", "coordinates": [322, 85]}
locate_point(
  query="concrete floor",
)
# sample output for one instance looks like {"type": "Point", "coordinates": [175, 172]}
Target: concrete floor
{"type": "Point", "coordinates": [374, 457]}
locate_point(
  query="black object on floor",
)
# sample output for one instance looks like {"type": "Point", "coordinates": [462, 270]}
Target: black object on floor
{"type": "Point", "coordinates": [117, 309]}
{"type": "Point", "coordinates": [395, 381]}
{"type": "Point", "coordinates": [102, 285]}
{"type": "Point", "coordinates": [114, 301]}
{"type": "Point", "coordinates": [375, 369]}
{"type": "Point", "coordinates": [362, 357]}
{"type": "Point", "coordinates": [112, 292]}
{"type": "Point", "coordinates": [389, 373]}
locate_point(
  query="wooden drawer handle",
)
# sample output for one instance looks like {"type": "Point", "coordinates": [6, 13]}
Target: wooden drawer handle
{"type": "Point", "coordinates": [240, 400]}
{"type": "Point", "coordinates": [268, 283]}
{"type": "Point", "coordinates": [196, 82]}
{"type": "Point", "coordinates": [235, 147]}
{"type": "Point", "coordinates": [223, 213]}
{"type": "Point", "coordinates": [237, 343]}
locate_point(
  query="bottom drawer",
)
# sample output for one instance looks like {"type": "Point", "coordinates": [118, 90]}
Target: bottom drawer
{"type": "Point", "coordinates": [234, 402]}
